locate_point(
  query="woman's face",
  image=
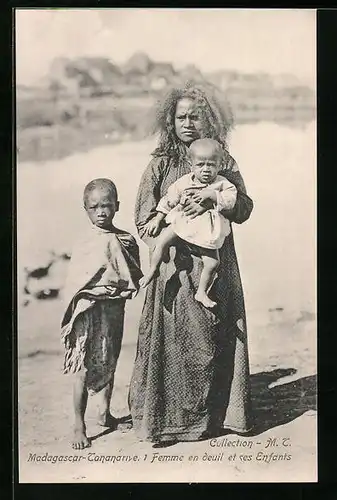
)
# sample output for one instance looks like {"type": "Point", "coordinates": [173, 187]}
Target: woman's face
{"type": "Point", "coordinates": [188, 120]}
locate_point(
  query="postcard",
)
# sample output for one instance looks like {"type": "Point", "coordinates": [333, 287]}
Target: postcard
{"type": "Point", "coordinates": [166, 223]}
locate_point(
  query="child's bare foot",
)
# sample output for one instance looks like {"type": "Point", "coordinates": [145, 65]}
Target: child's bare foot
{"type": "Point", "coordinates": [80, 440]}
{"type": "Point", "coordinates": [107, 420]}
{"type": "Point", "coordinates": [205, 300]}
{"type": "Point", "coordinates": [124, 426]}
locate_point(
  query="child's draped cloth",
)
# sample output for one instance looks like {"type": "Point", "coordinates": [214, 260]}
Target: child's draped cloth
{"type": "Point", "coordinates": [102, 258]}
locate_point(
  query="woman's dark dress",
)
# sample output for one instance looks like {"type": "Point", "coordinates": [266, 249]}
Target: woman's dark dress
{"type": "Point", "coordinates": [191, 373]}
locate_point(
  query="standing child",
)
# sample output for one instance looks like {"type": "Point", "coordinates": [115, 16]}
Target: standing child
{"type": "Point", "coordinates": [104, 271]}
{"type": "Point", "coordinates": [208, 230]}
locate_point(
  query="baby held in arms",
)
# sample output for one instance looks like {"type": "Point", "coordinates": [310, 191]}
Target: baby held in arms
{"type": "Point", "coordinates": [208, 230]}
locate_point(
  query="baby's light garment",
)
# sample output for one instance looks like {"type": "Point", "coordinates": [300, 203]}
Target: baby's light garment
{"type": "Point", "coordinates": [209, 229]}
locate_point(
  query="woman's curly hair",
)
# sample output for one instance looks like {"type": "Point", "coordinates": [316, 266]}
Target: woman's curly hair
{"type": "Point", "coordinates": [215, 111]}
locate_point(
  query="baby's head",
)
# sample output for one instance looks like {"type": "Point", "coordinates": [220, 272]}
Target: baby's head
{"type": "Point", "coordinates": [100, 200]}
{"type": "Point", "coordinates": [207, 156]}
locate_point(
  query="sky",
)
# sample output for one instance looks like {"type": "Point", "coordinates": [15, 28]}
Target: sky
{"type": "Point", "coordinates": [270, 40]}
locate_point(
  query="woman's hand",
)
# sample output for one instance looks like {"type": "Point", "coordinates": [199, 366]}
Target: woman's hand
{"type": "Point", "coordinates": [192, 209]}
{"type": "Point", "coordinates": [205, 195]}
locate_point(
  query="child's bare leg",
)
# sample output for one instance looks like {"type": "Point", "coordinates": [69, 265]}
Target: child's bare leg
{"type": "Point", "coordinates": [105, 419]}
{"type": "Point", "coordinates": [104, 416]}
{"type": "Point", "coordinates": [165, 240]}
{"type": "Point", "coordinates": [80, 396]}
{"type": "Point", "coordinates": [210, 260]}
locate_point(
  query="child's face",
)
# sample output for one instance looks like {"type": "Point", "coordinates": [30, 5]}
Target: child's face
{"type": "Point", "coordinates": [101, 207]}
{"type": "Point", "coordinates": [206, 164]}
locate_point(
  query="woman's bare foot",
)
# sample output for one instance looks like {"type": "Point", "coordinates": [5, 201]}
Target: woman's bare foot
{"type": "Point", "coordinates": [205, 300]}
{"type": "Point", "coordinates": [107, 420]}
{"type": "Point", "coordinates": [80, 440]}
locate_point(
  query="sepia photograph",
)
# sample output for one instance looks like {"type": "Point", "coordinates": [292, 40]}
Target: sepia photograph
{"type": "Point", "coordinates": [166, 245]}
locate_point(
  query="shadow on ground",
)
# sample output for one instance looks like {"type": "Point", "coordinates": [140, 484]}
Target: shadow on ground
{"type": "Point", "coordinates": [275, 405]}
{"type": "Point", "coordinates": [123, 424]}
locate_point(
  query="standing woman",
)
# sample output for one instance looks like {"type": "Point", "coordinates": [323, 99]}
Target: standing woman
{"type": "Point", "coordinates": [191, 374]}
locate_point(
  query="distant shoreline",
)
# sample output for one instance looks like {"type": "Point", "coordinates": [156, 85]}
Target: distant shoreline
{"type": "Point", "coordinates": [85, 102]}
{"type": "Point", "coordinates": [49, 131]}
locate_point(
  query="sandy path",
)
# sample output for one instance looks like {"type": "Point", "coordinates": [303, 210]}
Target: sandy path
{"type": "Point", "coordinates": [285, 410]}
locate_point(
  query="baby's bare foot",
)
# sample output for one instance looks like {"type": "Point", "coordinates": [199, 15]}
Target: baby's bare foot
{"type": "Point", "coordinates": [80, 440]}
{"type": "Point", "coordinates": [205, 300]}
{"type": "Point", "coordinates": [107, 420]}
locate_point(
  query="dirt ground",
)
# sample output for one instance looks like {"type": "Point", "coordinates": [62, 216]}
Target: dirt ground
{"type": "Point", "coordinates": [276, 251]}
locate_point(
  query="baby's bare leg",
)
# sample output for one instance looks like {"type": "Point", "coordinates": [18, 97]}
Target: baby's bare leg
{"type": "Point", "coordinates": [210, 260]}
{"type": "Point", "coordinates": [80, 399]}
{"type": "Point", "coordinates": [165, 240]}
